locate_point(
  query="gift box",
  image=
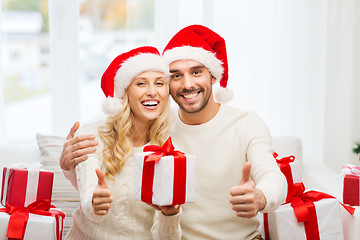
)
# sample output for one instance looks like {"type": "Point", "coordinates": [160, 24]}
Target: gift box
{"type": "Point", "coordinates": [20, 186]}
{"type": "Point", "coordinates": [311, 215]}
{"type": "Point", "coordinates": [283, 224]}
{"type": "Point", "coordinates": [351, 184]}
{"type": "Point", "coordinates": [163, 176]}
{"type": "Point", "coordinates": [49, 227]}
{"type": "Point", "coordinates": [292, 171]}
{"type": "Point", "coordinates": [351, 223]}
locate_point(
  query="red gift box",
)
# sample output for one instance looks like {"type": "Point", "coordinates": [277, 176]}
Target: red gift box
{"type": "Point", "coordinates": [292, 171]}
{"type": "Point", "coordinates": [351, 184]}
{"type": "Point", "coordinates": [351, 190]}
{"type": "Point", "coordinates": [21, 187]}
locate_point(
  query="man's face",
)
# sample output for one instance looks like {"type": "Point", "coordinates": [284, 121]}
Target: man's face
{"type": "Point", "coordinates": [190, 85]}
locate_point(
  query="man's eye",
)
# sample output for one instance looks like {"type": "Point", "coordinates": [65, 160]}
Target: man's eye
{"type": "Point", "coordinates": [174, 76]}
{"type": "Point", "coordinates": [196, 72]}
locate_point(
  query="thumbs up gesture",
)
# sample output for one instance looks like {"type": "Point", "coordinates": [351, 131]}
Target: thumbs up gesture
{"type": "Point", "coordinates": [246, 199]}
{"type": "Point", "coordinates": [102, 198]}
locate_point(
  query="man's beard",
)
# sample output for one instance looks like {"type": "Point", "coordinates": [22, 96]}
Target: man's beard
{"type": "Point", "coordinates": [203, 105]}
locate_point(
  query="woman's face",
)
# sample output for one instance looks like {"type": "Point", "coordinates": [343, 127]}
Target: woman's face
{"type": "Point", "coordinates": [148, 94]}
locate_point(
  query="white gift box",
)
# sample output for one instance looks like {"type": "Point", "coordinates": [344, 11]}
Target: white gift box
{"type": "Point", "coordinates": [164, 179]}
{"type": "Point", "coordinates": [294, 164]}
{"type": "Point", "coordinates": [296, 171]}
{"type": "Point", "coordinates": [283, 223]}
{"type": "Point", "coordinates": [38, 227]}
{"type": "Point", "coordinates": [351, 224]}
{"type": "Point", "coordinates": [292, 176]}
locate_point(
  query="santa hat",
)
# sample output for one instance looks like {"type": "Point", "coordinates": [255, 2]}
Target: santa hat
{"type": "Point", "coordinates": [203, 45]}
{"type": "Point", "coordinates": [123, 69]}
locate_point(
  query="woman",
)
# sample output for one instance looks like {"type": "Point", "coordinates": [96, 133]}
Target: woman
{"type": "Point", "coordinates": [137, 107]}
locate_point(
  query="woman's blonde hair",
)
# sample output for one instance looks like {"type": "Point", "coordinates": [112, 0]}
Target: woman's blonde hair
{"type": "Point", "coordinates": [116, 134]}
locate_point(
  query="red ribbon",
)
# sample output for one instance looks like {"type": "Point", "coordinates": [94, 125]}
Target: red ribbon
{"type": "Point", "coordinates": [179, 186]}
{"type": "Point", "coordinates": [19, 217]}
{"type": "Point", "coordinates": [284, 164]}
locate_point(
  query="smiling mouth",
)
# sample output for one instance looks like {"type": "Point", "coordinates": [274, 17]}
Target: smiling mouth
{"type": "Point", "coordinates": [190, 95]}
{"type": "Point", "coordinates": [150, 104]}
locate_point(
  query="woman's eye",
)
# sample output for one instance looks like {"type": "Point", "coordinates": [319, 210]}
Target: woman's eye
{"type": "Point", "coordinates": [159, 83]}
{"type": "Point", "coordinates": [140, 84]}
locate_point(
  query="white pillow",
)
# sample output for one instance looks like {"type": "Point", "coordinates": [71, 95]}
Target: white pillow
{"type": "Point", "coordinates": [64, 196]}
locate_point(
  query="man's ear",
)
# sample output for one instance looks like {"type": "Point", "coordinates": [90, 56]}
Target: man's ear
{"type": "Point", "coordinates": [213, 80]}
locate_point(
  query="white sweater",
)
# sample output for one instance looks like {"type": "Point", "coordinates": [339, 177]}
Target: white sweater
{"type": "Point", "coordinates": [128, 218]}
{"type": "Point", "coordinates": [222, 146]}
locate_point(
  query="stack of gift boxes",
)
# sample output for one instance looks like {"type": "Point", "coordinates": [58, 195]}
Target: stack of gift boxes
{"type": "Point", "coordinates": [26, 211]}
{"type": "Point", "coordinates": [312, 214]}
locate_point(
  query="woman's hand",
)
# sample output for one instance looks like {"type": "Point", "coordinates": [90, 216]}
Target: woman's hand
{"type": "Point", "coordinates": [102, 198]}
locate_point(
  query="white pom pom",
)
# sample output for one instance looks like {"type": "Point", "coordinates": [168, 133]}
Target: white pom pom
{"type": "Point", "coordinates": [112, 105]}
{"type": "Point", "coordinates": [223, 95]}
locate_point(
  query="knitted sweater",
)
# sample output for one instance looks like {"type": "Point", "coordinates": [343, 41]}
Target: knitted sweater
{"type": "Point", "coordinates": [127, 218]}
{"type": "Point", "coordinates": [222, 146]}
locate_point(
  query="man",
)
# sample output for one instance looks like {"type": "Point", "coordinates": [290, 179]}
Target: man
{"type": "Point", "coordinates": [233, 147]}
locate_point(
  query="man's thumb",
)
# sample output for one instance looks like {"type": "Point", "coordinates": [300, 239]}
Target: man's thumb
{"type": "Point", "coordinates": [101, 177]}
{"type": "Point", "coordinates": [246, 173]}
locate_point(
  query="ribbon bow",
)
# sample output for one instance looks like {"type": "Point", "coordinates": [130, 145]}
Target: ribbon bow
{"type": "Point", "coordinates": [179, 183]}
{"type": "Point", "coordinates": [304, 209]}
{"type": "Point", "coordinates": [19, 217]}
{"type": "Point", "coordinates": [350, 169]}
{"type": "Point", "coordinates": [165, 150]}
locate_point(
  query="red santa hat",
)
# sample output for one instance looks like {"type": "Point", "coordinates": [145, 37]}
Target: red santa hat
{"type": "Point", "coordinates": [123, 69]}
{"type": "Point", "coordinates": [203, 45]}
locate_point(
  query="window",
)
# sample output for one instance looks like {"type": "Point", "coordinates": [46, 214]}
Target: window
{"type": "Point", "coordinates": [25, 77]}
{"type": "Point", "coordinates": [48, 82]}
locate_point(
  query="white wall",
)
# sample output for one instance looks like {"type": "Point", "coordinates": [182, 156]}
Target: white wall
{"type": "Point", "coordinates": [2, 129]}
{"type": "Point", "coordinates": [293, 62]}
{"type": "Point", "coordinates": [342, 101]}
{"type": "Point", "coordinates": [277, 52]}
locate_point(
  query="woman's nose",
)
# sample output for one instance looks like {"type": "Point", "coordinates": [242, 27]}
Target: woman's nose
{"type": "Point", "coordinates": [151, 91]}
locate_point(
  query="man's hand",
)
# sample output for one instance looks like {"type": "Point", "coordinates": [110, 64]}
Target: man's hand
{"type": "Point", "coordinates": [76, 149]}
{"type": "Point", "coordinates": [167, 210]}
{"type": "Point", "coordinates": [246, 199]}
{"type": "Point", "coordinates": [102, 198]}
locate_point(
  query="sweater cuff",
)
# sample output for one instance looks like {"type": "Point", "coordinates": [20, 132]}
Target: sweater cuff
{"type": "Point", "coordinates": [167, 227]}
{"type": "Point", "coordinates": [275, 196]}
{"type": "Point", "coordinates": [71, 176]}
{"type": "Point", "coordinates": [172, 221]}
